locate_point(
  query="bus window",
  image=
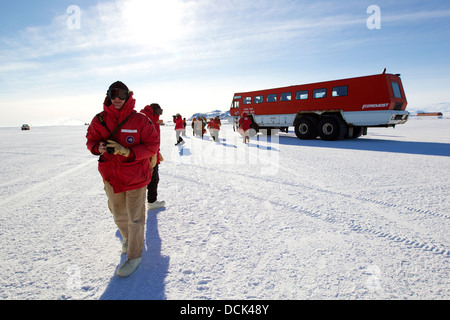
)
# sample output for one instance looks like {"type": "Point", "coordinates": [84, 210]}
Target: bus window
{"type": "Point", "coordinates": [259, 99]}
{"type": "Point", "coordinates": [301, 95]}
{"type": "Point", "coordinates": [247, 100]}
{"type": "Point", "coordinates": [235, 104]}
{"type": "Point", "coordinates": [272, 97]}
{"type": "Point", "coordinates": [396, 88]}
{"type": "Point", "coordinates": [340, 91]}
{"type": "Point", "coordinates": [287, 96]}
{"type": "Point", "coordinates": [319, 93]}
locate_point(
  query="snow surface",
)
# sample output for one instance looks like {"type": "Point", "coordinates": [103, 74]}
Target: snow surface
{"type": "Point", "coordinates": [280, 218]}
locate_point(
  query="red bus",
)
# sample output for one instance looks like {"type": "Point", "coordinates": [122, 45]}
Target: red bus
{"type": "Point", "coordinates": [332, 110]}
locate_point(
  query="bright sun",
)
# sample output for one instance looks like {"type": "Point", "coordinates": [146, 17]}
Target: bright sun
{"type": "Point", "coordinates": [151, 22]}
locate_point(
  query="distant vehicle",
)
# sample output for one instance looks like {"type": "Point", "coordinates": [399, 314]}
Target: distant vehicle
{"type": "Point", "coordinates": [333, 110]}
{"type": "Point", "coordinates": [430, 114]}
{"type": "Point", "coordinates": [25, 127]}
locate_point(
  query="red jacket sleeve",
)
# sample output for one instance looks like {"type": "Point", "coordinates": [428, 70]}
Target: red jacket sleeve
{"type": "Point", "coordinates": [149, 145]}
{"type": "Point", "coordinates": [94, 136]}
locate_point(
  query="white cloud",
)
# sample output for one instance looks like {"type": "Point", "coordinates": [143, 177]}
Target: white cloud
{"type": "Point", "coordinates": [150, 32]}
{"type": "Point", "coordinates": [416, 16]}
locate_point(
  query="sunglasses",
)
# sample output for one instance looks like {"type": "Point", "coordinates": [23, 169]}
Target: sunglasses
{"type": "Point", "coordinates": [113, 93]}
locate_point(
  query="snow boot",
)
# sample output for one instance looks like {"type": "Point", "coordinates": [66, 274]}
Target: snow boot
{"type": "Point", "coordinates": [128, 267]}
{"type": "Point", "coordinates": [156, 205]}
{"type": "Point", "coordinates": [125, 246]}
{"type": "Point", "coordinates": [180, 142]}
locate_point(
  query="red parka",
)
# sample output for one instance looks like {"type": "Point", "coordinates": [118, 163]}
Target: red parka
{"type": "Point", "coordinates": [245, 123]}
{"type": "Point", "coordinates": [138, 134]}
{"type": "Point", "coordinates": [178, 123]}
{"type": "Point", "coordinates": [214, 124]}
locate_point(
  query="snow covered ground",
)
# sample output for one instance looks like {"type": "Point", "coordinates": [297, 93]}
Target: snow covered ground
{"type": "Point", "coordinates": [280, 218]}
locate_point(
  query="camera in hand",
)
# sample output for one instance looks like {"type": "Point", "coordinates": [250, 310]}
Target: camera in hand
{"type": "Point", "coordinates": [110, 150]}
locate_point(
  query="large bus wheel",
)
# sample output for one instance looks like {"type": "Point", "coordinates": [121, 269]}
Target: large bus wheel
{"type": "Point", "coordinates": [329, 128]}
{"type": "Point", "coordinates": [355, 132]}
{"type": "Point", "coordinates": [306, 128]}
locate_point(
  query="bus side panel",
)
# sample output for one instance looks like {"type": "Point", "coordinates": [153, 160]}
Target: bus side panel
{"type": "Point", "coordinates": [369, 93]}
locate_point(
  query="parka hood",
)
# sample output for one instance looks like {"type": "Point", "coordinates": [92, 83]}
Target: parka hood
{"type": "Point", "coordinates": [148, 110]}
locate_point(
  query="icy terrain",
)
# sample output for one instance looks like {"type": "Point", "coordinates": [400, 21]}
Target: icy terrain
{"type": "Point", "coordinates": [280, 218]}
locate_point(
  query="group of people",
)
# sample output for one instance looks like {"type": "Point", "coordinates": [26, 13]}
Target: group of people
{"type": "Point", "coordinates": [128, 145]}
{"type": "Point", "coordinates": [199, 127]}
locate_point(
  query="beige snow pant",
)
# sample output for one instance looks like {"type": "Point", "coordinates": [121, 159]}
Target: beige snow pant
{"type": "Point", "coordinates": [128, 209]}
{"type": "Point", "coordinates": [246, 136]}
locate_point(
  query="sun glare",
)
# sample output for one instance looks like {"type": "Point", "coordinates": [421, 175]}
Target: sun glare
{"type": "Point", "coordinates": [156, 23]}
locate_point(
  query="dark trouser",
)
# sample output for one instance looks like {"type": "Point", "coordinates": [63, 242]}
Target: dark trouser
{"type": "Point", "coordinates": [152, 187]}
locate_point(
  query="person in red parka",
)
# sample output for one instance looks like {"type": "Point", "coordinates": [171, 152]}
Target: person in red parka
{"type": "Point", "coordinates": [125, 166]}
{"type": "Point", "coordinates": [153, 112]}
{"type": "Point", "coordinates": [245, 125]}
{"type": "Point", "coordinates": [214, 128]}
{"type": "Point", "coordinates": [179, 128]}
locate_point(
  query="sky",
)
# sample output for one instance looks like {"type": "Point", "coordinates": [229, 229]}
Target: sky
{"type": "Point", "coordinates": [58, 57]}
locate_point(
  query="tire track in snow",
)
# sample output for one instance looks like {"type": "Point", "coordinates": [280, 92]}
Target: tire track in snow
{"type": "Point", "coordinates": [339, 193]}
{"type": "Point", "coordinates": [24, 195]}
{"type": "Point", "coordinates": [342, 220]}
{"type": "Point", "coordinates": [402, 239]}
{"type": "Point", "coordinates": [356, 227]}
{"type": "Point", "coordinates": [262, 160]}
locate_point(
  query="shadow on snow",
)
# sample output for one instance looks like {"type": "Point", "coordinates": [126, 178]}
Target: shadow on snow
{"type": "Point", "coordinates": [147, 283]}
{"type": "Point", "coordinates": [380, 145]}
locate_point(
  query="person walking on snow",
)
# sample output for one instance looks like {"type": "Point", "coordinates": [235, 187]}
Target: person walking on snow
{"type": "Point", "coordinates": [217, 125]}
{"type": "Point", "coordinates": [245, 124]}
{"type": "Point", "coordinates": [210, 127]}
{"type": "Point", "coordinates": [199, 127]}
{"type": "Point", "coordinates": [125, 141]}
{"type": "Point", "coordinates": [193, 123]}
{"type": "Point", "coordinates": [153, 112]}
{"type": "Point", "coordinates": [179, 128]}
{"type": "Point", "coordinates": [214, 128]}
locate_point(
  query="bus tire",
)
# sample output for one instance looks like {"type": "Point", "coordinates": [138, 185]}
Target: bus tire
{"type": "Point", "coordinates": [332, 128]}
{"type": "Point", "coordinates": [355, 132]}
{"type": "Point", "coordinates": [306, 128]}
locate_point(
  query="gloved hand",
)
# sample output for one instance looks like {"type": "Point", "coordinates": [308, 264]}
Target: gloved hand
{"type": "Point", "coordinates": [153, 160]}
{"type": "Point", "coordinates": [161, 159]}
{"type": "Point", "coordinates": [118, 148]}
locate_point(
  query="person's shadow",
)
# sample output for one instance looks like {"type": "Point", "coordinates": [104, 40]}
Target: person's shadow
{"type": "Point", "coordinates": [147, 282]}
